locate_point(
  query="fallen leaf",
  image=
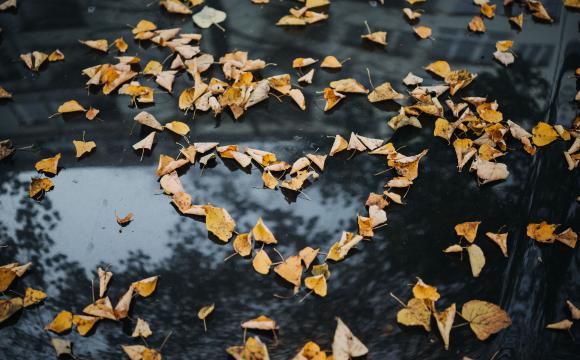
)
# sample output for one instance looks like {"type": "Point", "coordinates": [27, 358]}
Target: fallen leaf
{"type": "Point", "coordinates": [261, 233]}
{"type": "Point", "coordinates": [573, 310]}
{"type": "Point", "coordinates": [518, 20]}
{"type": "Point", "coordinates": [416, 313]}
{"type": "Point", "coordinates": [543, 134]}
{"type": "Point", "coordinates": [340, 249]}
{"type": "Point", "coordinates": [209, 16]}
{"type": "Point", "coordinates": [384, 92]}
{"type": "Point", "coordinates": [302, 62]}
{"type": "Point", "coordinates": [310, 351]}
{"type": "Point", "coordinates": [175, 7]}
{"type": "Point", "coordinates": [290, 270]}
{"type": "Point", "coordinates": [412, 79]}
{"type": "Point", "coordinates": [345, 345]}
{"type": "Point", "coordinates": [56, 55]}
{"type": "Point", "coordinates": [62, 347]}
{"type": "Point", "coordinates": [101, 308]}
{"type": "Point", "coordinates": [330, 62]}
{"type": "Point", "coordinates": [48, 165]}
{"type": "Point", "coordinates": [339, 145]}
{"type": "Point", "coordinates": [142, 329]}
{"type": "Point", "coordinates": [348, 85]}
{"type": "Point", "coordinates": [298, 98]}
{"type": "Point", "coordinates": [488, 171]}
{"type": "Point", "coordinates": [444, 321]}
{"type": "Point", "coordinates": [145, 118]}
{"type": "Point", "coordinates": [317, 284]}
{"type": "Point", "coordinates": [70, 106]}
{"type": "Point", "coordinates": [140, 352]}
{"type": "Point", "coordinates": [83, 147]}
{"type": "Point", "coordinates": [476, 24]}
{"type": "Point", "coordinates": [84, 323]}
{"type": "Point", "coordinates": [33, 297]}
{"type": "Point", "coordinates": [500, 239]}
{"type": "Point", "coordinates": [423, 291]}
{"type": "Point", "coordinates": [261, 262]}
{"type": "Point", "coordinates": [468, 230]}
{"type": "Point", "coordinates": [61, 323]}
{"type": "Point", "coordinates": [262, 322]}
{"type": "Point", "coordinates": [568, 237]}
{"type": "Point", "coordinates": [423, 32]}
{"type": "Point", "coordinates": [4, 94]}
{"type": "Point", "coordinates": [269, 180]}
{"type": "Point", "coordinates": [484, 318]}
{"type": "Point", "coordinates": [560, 325]}
{"type": "Point", "coordinates": [146, 286]}
{"type": "Point", "coordinates": [124, 304]}
{"type": "Point", "coordinates": [177, 127]}
{"type": "Point", "coordinates": [38, 187]}
{"type": "Point", "coordinates": [411, 15]}
{"type": "Point", "coordinates": [9, 308]}
{"type": "Point", "coordinates": [542, 232]}
{"type": "Point", "coordinates": [253, 349]}
{"type": "Point", "coordinates": [146, 143]}
{"type": "Point", "coordinates": [219, 222]}
{"type": "Point", "coordinates": [101, 44]}
{"type": "Point", "coordinates": [476, 259]}
{"type": "Point", "coordinates": [539, 11]}
{"type": "Point", "coordinates": [125, 220]}
{"type": "Point", "coordinates": [379, 37]}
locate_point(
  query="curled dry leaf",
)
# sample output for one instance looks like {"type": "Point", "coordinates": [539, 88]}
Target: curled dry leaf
{"type": "Point", "coordinates": [560, 325]}
{"type": "Point", "coordinates": [140, 352]}
{"type": "Point", "coordinates": [48, 165]}
{"type": "Point", "coordinates": [38, 187]}
{"type": "Point", "coordinates": [476, 24]}
{"type": "Point", "coordinates": [253, 349]}
{"type": "Point", "coordinates": [444, 321]}
{"type": "Point", "coordinates": [142, 329]}
{"type": "Point", "coordinates": [468, 230]}
{"type": "Point", "coordinates": [348, 85]}
{"type": "Point", "coordinates": [62, 347]}
{"type": "Point", "coordinates": [573, 310]}
{"type": "Point", "coordinates": [330, 62]}
{"type": "Point", "coordinates": [9, 307]}
{"type": "Point", "coordinates": [33, 297]}
{"type": "Point", "coordinates": [488, 171]}
{"type": "Point", "coordinates": [146, 286]}
{"type": "Point", "coordinates": [104, 279]}
{"type": "Point", "coordinates": [484, 318]}
{"type": "Point", "coordinates": [345, 345]}
{"type": "Point", "coordinates": [262, 322]}
{"type": "Point", "coordinates": [340, 249]}
{"type": "Point", "coordinates": [125, 220]}
{"type": "Point", "coordinates": [423, 291]}
{"type": "Point", "coordinates": [83, 147]}
{"type": "Point", "coordinates": [340, 144]}
{"type": "Point", "coordinates": [101, 44]}
{"type": "Point", "coordinates": [384, 92]}
{"type": "Point", "coordinates": [379, 37]}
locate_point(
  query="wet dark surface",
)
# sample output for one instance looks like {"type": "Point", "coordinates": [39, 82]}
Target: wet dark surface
{"type": "Point", "coordinates": [73, 229]}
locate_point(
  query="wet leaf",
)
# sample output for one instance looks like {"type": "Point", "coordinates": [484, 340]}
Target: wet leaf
{"type": "Point", "coordinates": [423, 291]}
{"type": "Point", "coordinates": [101, 308]}
{"type": "Point", "coordinates": [146, 286]}
{"type": "Point", "coordinates": [543, 134]}
{"type": "Point", "coordinates": [484, 318]}
{"type": "Point", "coordinates": [101, 44]}
{"type": "Point", "coordinates": [219, 222]}
{"type": "Point", "coordinates": [61, 323]}
{"type": "Point", "coordinates": [38, 187]}
{"type": "Point", "coordinates": [48, 165]}
{"type": "Point", "coordinates": [84, 323]}
{"type": "Point", "coordinates": [261, 262]}
{"type": "Point", "coordinates": [9, 308]}
{"type": "Point", "coordinates": [33, 297]}
{"type": "Point", "coordinates": [290, 270]}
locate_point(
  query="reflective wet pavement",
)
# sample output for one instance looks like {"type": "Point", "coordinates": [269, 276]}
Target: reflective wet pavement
{"type": "Point", "coordinates": [73, 229]}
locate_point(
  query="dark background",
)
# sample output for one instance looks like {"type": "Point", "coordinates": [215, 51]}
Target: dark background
{"type": "Point", "coordinates": [73, 230]}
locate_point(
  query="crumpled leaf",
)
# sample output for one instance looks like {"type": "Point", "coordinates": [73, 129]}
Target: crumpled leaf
{"type": "Point", "coordinates": [253, 349]}
{"type": "Point", "coordinates": [542, 232]}
{"type": "Point", "coordinates": [444, 321]}
{"type": "Point", "coordinates": [140, 352]}
{"type": "Point", "coordinates": [33, 297]}
{"type": "Point", "coordinates": [384, 92]}
{"type": "Point", "coordinates": [48, 165]}
{"type": "Point", "coordinates": [142, 329]}
{"type": "Point", "coordinates": [345, 345]}
{"type": "Point", "coordinates": [348, 85]}
{"type": "Point", "coordinates": [488, 171]}
{"type": "Point", "coordinates": [423, 291]}
{"type": "Point", "coordinates": [340, 249]}
{"type": "Point", "coordinates": [39, 186]}
{"type": "Point", "coordinates": [484, 318]}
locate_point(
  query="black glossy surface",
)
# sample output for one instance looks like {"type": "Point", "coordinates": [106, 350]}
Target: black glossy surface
{"type": "Point", "coordinates": [73, 230]}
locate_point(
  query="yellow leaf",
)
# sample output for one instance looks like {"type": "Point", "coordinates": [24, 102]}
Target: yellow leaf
{"type": "Point", "coordinates": [39, 186]}
{"type": "Point", "coordinates": [61, 323]}
{"type": "Point", "coordinates": [261, 233]}
{"type": "Point", "coordinates": [345, 345]}
{"type": "Point", "coordinates": [543, 134]}
{"type": "Point", "coordinates": [146, 286]}
{"type": "Point", "coordinates": [311, 351]}
{"type": "Point", "coordinates": [416, 313]}
{"type": "Point", "coordinates": [379, 37]}
{"type": "Point", "coordinates": [70, 106]}
{"type": "Point", "coordinates": [518, 20]}
{"type": "Point", "coordinates": [488, 10]}
{"type": "Point", "coordinates": [308, 255]}
{"type": "Point", "coordinates": [48, 165]}
{"type": "Point", "coordinates": [542, 232]}
{"type": "Point", "coordinates": [384, 92]}
{"type": "Point", "coordinates": [7, 275]}
{"type": "Point", "coordinates": [253, 349]}
{"type": "Point", "coordinates": [444, 321]}
{"type": "Point", "coordinates": [339, 145]}
{"type": "Point", "coordinates": [423, 32]}
{"type": "Point", "coordinates": [178, 127]}
{"type": "Point", "coordinates": [468, 230]}
{"type": "Point", "coordinates": [262, 322]}
{"type": "Point", "coordinates": [33, 296]}
{"type": "Point", "coordinates": [349, 85]}
{"type": "Point", "coordinates": [121, 45]}
{"type": "Point", "coordinates": [560, 325]}
{"type": "Point", "coordinates": [269, 180]}
{"type": "Point", "coordinates": [290, 270]}
{"type": "Point", "coordinates": [504, 45]}
{"type": "Point", "coordinates": [219, 222]}
{"type": "Point", "coordinates": [83, 147]}
{"type": "Point", "coordinates": [485, 318]}
{"type": "Point", "coordinates": [140, 352]}
{"type": "Point", "coordinates": [9, 308]}
{"type": "Point", "coordinates": [153, 68]}
{"type": "Point", "coordinates": [124, 303]}
{"type": "Point", "coordinates": [574, 310]}
{"type": "Point", "coordinates": [101, 308]}
{"type": "Point", "coordinates": [476, 24]}
{"type": "Point", "coordinates": [205, 311]}
{"type": "Point", "coordinates": [317, 284]}
{"type": "Point", "coordinates": [330, 62]}
{"type": "Point", "coordinates": [84, 323]}
{"type": "Point", "coordinates": [56, 55]}
{"type": "Point", "coordinates": [243, 244]}
{"type": "Point", "coordinates": [261, 262]}
{"type": "Point", "coordinates": [423, 291]}
{"type": "Point", "coordinates": [142, 329]}
{"type": "Point", "coordinates": [101, 44]}
{"type": "Point", "coordinates": [501, 240]}
{"type": "Point", "coordinates": [332, 98]}
{"type": "Point", "coordinates": [440, 68]}
{"type": "Point", "coordinates": [476, 259]}
{"type": "Point", "coordinates": [123, 221]}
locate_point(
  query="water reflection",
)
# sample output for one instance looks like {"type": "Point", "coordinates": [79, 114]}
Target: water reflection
{"type": "Point", "coordinates": [73, 229]}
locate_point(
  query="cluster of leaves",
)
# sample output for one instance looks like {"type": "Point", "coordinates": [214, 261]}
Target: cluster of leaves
{"type": "Point", "coordinates": [11, 306]}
